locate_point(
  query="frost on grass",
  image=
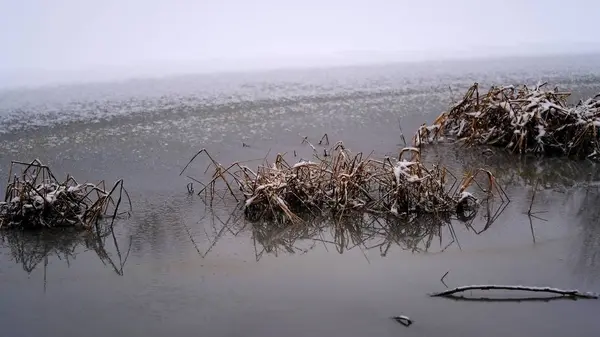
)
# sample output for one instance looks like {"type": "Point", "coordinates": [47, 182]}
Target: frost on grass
{"type": "Point", "coordinates": [35, 199]}
{"type": "Point", "coordinates": [341, 182]}
{"type": "Point", "coordinates": [523, 120]}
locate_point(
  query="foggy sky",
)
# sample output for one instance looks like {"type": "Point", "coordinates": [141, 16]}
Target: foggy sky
{"type": "Point", "coordinates": [50, 38]}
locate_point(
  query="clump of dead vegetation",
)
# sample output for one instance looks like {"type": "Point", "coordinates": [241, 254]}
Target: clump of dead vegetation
{"type": "Point", "coordinates": [339, 181]}
{"type": "Point", "coordinates": [35, 199]}
{"type": "Point", "coordinates": [521, 119]}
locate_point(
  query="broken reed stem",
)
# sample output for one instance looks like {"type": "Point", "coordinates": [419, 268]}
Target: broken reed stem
{"type": "Point", "coordinates": [443, 277]}
{"type": "Point", "coordinates": [401, 132]}
{"type": "Point", "coordinates": [324, 140]}
{"type": "Point", "coordinates": [533, 197]}
{"type": "Point", "coordinates": [568, 293]}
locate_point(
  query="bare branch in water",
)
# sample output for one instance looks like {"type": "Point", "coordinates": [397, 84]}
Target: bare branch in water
{"type": "Point", "coordinates": [568, 293]}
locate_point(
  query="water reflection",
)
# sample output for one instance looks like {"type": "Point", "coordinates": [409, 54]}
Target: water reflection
{"type": "Point", "coordinates": [584, 202]}
{"type": "Point", "coordinates": [32, 248]}
{"type": "Point", "coordinates": [512, 170]}
{"type": "Point", "coordinates": [577, 184]}
{"type": "Point", "coordinates": [352, 230]}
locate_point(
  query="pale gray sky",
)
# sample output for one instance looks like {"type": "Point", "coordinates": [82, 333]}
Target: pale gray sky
{"type": "Point", "coordinates": [57, 36]}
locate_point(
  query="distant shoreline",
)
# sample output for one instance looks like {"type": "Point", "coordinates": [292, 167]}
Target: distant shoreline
{"type": "Point", "coordinates": [36, 79]}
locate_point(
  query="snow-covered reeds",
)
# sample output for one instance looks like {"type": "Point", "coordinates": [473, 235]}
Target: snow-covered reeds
{"type": "Point", "coordinates": [35, 198]}
{"type": "Point", "coordinates": [341, 181]}
{"type": "Point", "coordinates": [521, 119]}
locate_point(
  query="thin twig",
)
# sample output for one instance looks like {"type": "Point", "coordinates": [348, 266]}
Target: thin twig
{"type": "Point", "coordinates": [401, 132]}
{"type": "Point", "coordinates": [533, 196]}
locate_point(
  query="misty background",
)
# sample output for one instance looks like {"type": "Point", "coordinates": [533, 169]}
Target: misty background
{"type": "Point", "coordinates": [61, 41]}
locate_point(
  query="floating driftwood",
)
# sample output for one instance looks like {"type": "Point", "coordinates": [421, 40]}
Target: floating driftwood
{"type": "Point", "coordinates": [35, 198]}
{"type": "Point", "coordinates": [567, 293]}
{"type": "Point", "coordinates": [342, 181]}
{"type": "Point", "coordinates": [523, 120]}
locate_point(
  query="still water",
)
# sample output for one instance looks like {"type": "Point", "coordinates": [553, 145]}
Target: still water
{"type": "Point", "coordinates": [171, 268]}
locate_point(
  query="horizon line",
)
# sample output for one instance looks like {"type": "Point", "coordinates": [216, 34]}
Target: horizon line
{"type": "Point", "coordinates": [152, 74]}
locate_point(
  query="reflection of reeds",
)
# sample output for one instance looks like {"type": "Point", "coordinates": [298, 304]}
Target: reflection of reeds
{"type": "Point", "coordinates": [354, 229]}
{"type": "Point", "coordinates": [585, 205]}
{"type": "Point", "coordinates": [30, 248]}
{"type": "Point", "coordinates": [522, 120]}
{"type": "Point", "coordinates": [524, 170]}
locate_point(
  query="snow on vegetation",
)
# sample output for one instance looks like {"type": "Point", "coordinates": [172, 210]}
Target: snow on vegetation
{"type": "Point", "coordinates": [523, 120]}
{"type": "Point", "coordinates": [338, 181]}
{"type": "Point", "coordinates": [35, 199]}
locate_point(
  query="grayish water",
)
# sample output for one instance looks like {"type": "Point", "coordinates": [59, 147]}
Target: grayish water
{"type": "Point", "coordinates": [145, 131]}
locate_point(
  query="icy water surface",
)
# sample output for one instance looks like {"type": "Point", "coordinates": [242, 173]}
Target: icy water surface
{"type": "Point", "coordinates": [172, 270]}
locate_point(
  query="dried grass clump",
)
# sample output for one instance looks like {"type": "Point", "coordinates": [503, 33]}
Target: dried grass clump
{"type": "Point", "coordinates": [523, 120]}
{"type": "Point", "coordinates": [341, 181]}
{"type": "Point", "coordinates": [36, 199]}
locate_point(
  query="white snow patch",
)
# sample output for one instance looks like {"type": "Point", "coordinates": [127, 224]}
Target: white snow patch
{"type": "Point", "coordinates": [541, 133]}
{"type": "Point", "coordinates": [401, 169]}
{"type": "Point", "coordinates": [249, 201]}
{"type": "Point", "coordinates": [465, 195]}
{"type": "Point", "coordinates": [304, 163]}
